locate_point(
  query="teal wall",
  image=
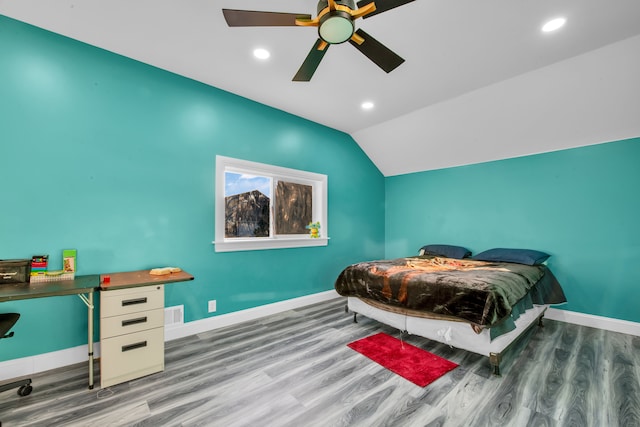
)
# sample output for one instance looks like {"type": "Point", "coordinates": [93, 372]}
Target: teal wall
{"type": "Point", "coordinates": [116, 159]}
{"type": "Point", "coordinates": [580, 205]}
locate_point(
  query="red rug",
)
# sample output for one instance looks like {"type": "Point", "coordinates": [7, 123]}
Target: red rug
{"type": "Point", "coordinates": [410, 362]}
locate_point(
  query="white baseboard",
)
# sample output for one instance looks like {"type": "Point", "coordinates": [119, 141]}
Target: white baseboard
{"type": "Point", "coordinates": [43, 362]}
{"type": "Point", "coordinates": [223, 320]}
{"type": "Point", "coordinates": [26, 366]}
{"type": "Point", "coordinates": [590, 320]}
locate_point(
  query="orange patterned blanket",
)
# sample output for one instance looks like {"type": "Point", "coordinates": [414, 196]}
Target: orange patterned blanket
{"type": "Point", "coordinates": [482, 293]}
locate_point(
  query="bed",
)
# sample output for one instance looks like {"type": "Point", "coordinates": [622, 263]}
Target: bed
{"type": "Point", "coordinates": [483, 304]}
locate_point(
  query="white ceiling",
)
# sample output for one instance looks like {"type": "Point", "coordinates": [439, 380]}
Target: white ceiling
{"type": "Point", "coordinates": [451, 48]}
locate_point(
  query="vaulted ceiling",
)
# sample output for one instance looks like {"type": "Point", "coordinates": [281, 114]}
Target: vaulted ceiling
{"type": "Point", "coordinates": [454, 50]}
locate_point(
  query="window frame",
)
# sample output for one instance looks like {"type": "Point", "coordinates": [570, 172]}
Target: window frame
{"type": "Point", "coordinates": [317, 181]}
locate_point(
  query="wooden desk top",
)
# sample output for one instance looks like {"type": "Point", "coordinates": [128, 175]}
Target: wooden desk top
{"type": "Point", "coordinates": [86, 284]}
{"type": "Point", "coordinates": [132, 279]}
{"type": "Point", "coordinates": [79, 285]}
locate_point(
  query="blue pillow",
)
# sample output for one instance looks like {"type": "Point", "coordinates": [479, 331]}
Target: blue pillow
{"type": "Point", "coordinates": [448, 251]}
{"type": "Point", "coordinates": [521, 256]}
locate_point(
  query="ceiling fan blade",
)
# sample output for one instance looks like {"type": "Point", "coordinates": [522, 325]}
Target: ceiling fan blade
{"type": "Point", "coordinates": [251, 18]}
{"type": "Point", "coordinates": [381, 55]}
{"type": "Point", "coordinates": [311, 62]}
{"type": "Point", "coordinates": [382, 5]}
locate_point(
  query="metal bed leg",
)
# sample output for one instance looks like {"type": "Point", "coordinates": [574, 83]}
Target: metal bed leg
{"type": "Point", "coordinates": [346, 310]}
{"type": "Point", "coordinates": [494, 360]}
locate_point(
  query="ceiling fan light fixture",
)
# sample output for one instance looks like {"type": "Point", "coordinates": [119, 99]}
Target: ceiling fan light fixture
{"type": "Point", "coordinates": [336, 27]}
{"type": "Point", "coordinates": [335, 22]}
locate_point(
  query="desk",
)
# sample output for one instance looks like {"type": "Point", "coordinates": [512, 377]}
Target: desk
{"type": "Point", "coordinates": [80, 286]}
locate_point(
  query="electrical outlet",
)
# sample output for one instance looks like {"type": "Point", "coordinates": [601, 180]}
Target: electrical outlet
{"type": "Point", "coordinates": [212, 306]}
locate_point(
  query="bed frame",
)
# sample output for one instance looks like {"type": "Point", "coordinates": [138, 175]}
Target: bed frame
{"type": "Point", "coordinates": [455, 334]}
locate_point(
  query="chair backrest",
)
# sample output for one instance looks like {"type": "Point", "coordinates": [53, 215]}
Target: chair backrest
{"type": "Point", "coordinates": [7, 320]}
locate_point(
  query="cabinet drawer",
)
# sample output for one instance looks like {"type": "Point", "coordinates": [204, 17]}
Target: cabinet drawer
{"type": "Point", "coordinates": [131, 356]}
{"type": "Point", "coordinates": [129, 323]}
{"type": "Point", "coordinates": [132, 300]}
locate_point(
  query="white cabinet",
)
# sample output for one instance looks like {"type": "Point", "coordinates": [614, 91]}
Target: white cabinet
{"type": "Point", "coordinates": [131, 333]}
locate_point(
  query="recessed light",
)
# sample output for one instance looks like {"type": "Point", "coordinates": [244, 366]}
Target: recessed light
{"type": "Point", "coordinates": [553, 25]}
{"type": "Point", "coordinates": [261, 53]}
{"type": "Point", "coordinates": [367, 105]}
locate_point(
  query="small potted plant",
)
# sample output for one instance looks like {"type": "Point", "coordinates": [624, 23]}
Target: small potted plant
{"type": "Point", "coordinates": [314, 228]}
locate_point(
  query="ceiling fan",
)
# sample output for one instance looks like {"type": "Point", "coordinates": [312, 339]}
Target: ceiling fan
{"type": "Point", "coordinates": [335, 22]}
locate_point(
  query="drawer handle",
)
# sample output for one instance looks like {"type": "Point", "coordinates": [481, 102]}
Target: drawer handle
{"type": "Point", "coordinates": [134, 301]}
{"type": "Point", "coordinates": [134, 346]}
{"type": "Point", "coordinates": [130, 322]}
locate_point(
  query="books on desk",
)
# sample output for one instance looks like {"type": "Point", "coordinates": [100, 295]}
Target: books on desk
{"type": "Point", "coordinates": [69, 264]}
{"type": "Point", "coordinates": [40, 264]}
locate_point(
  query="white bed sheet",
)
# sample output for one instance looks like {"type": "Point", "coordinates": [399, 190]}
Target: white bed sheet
{"type": "Point", "coordinates": [456, 334]}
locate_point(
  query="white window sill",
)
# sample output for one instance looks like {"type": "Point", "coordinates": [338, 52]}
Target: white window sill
{"type": "Point", "coordinates": [233, 245]}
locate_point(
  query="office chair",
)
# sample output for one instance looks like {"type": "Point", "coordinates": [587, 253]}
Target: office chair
{"type": "Point", "coordinates": [7, 320]}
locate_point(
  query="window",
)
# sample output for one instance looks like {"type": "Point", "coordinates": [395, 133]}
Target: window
{"type": "Point", "coordinates": [259, 206]}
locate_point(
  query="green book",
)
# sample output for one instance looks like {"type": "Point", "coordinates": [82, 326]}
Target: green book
{"type": "Point", "coordinates": [69, 261]}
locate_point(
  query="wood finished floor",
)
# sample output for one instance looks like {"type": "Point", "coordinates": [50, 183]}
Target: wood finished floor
{"type": "Point", "coordinates": [294, 369]}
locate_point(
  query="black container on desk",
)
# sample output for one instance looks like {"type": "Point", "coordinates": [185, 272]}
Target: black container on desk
{"type": "Point", "coordinates": [15, 271]}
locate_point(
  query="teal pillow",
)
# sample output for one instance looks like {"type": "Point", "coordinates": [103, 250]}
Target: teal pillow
{"type": "Point", "coordinates": [448, 251]}
{"type": "Point", "coordinates": [520, 256]}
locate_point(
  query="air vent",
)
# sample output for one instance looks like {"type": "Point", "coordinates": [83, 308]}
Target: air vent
{"type": "Point", "coordinates": [174, 315]}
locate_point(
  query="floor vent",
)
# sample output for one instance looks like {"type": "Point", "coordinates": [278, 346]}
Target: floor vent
{"type": "Point", "coordinates": [174, 315]}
